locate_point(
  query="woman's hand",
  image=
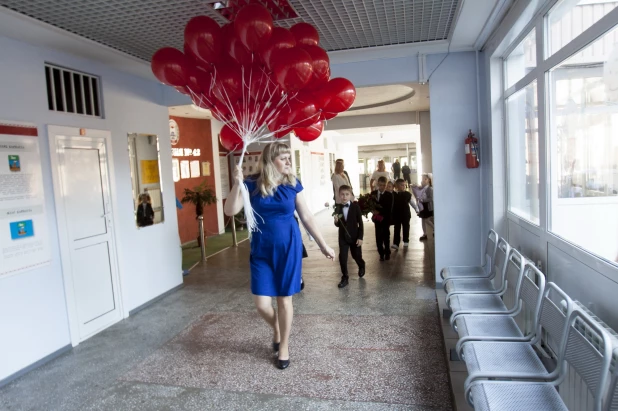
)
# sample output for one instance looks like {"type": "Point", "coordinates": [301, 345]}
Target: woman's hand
{"type": "Point", "coordinates": [238, 177]}
{"type": "Point", "coordinates": [359, 243]}
{"type": "Point", "coordinates": [328, 252]}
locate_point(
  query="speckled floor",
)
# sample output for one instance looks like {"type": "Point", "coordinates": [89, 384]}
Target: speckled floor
{"type": "Point", "coordinates": [374, 345]}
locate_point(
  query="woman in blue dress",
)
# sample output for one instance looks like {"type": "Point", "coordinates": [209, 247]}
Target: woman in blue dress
{"type": "Point", "coordinates": [276, 247]}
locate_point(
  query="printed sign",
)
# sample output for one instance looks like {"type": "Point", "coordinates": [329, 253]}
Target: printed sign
{"type": "Point", "coordinates": [24, 236]}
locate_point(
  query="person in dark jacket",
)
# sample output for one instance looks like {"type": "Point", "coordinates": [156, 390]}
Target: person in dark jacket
{"type": "Point", "coordinates": [382, 218]}
{"type": "Point", "coordinates": [351, 230]}
{"type": "Point", "coordinates": [405, 170]}
{"type": "Point", "coordinates": [402, 214]}
{"type": "Point", "coordinates": [396, 168]}
{"type": "Point", "coordinates": [145, 213]}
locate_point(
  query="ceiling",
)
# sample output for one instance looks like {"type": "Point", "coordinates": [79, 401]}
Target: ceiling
{"type": "Point", "coordinates": [394, 98]}
{"type": "Point", "coordinates": [140, 27]}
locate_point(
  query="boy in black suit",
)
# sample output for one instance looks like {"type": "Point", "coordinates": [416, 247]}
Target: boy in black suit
{"type": "Point", "coordinates": [382, 218]}
{"type": "Point", "coordinates": [350, 222]}
{"type": "Point", "coordinates": [402, 214]}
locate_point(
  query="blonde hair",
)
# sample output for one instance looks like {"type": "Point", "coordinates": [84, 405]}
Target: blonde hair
{"type": "Point", "coordinates": [339, 167]}
{"type": "Point", "coordinates": [381, 165]}
{"type": "Point", "coordinates": [269, 177]}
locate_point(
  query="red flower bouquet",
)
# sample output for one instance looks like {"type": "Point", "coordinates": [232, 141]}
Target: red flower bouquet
{"type": "Point", "coordinates": [369, 204]}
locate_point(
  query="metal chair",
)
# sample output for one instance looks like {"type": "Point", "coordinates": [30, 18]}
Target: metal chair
{"type": "Point", "coordinates": [502, 326]}
{"type": "Point", "coordinates": [485, 359]}
{"type": "Point", "coordinates": [611, 401]}
{"type": "Point", "coordinates": [491, 285]}
{"type": "Point", "coordinates": [481, 271]}
{"type": "Point", "coordinates": [471, 304]}
{"type": "Point", "coordinates": [458, 300]}
{"type": "Point", "coordinates": [590, 361]}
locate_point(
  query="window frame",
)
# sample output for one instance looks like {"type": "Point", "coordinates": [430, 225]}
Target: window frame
{"type": "Point", "coordinates": [544, 64]}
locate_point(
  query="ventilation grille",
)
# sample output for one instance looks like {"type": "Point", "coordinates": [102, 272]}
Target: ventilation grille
{"type": "Point", "coordinates": [70, 91]}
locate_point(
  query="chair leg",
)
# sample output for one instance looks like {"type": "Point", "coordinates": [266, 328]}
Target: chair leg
{"type": "Point", "coordinates": [446, 313]}
{"type": "Point", "coordinates": [453, 355]}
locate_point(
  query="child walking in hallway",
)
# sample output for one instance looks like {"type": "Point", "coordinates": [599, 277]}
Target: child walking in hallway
{"type": "Point", "coordinates": [349, 219]}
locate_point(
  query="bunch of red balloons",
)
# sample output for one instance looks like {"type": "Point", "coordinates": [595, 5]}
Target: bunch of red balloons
{"type": "Point", "coordinates": [258, 79]}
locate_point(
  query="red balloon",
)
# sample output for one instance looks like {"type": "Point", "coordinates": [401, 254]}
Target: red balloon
{"type": "Point", "coordinates": [340, 95]}
{"type": "Point", "coordinates": [230, 139]}
{"type": "Point", "coordinates": [254, 26]}
{"type": "Point", "coordinates": [306, 34]}
{"type": "Point", "coordinates": [310, 133]}
{"type": "Point", "coordinates": [227, 82]}
{"type": "Point", "coordinates": [203, 37]}
{"type": "Point", "coordinates": [170, 67]}
{"type": "Point", "coordinates": [320, 61]}
{"type": "Point", "coordinates": [233, 47]}
{"type": "Point", "coordinates": [183, 90]}
{"type": "Point", "coordinates": [302, 113]}
{"type": "Point", "coordinates": [292, 68]}
{"type": "Point", "coordinates": [325, 115]}
{"type": "Point", "coordinates": [280, 39]}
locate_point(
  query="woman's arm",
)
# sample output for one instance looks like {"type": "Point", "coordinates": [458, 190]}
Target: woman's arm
{"type": "Point", "coordinates": [309, 222]}
{"type": "Point", "coordinates": [234, 202]}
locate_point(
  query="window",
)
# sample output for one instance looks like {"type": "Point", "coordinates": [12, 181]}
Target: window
{"type": "Point", "coordinates": [583, 135]}
{"type": "Point", "coordinates": [523, 153]}
{"type": "Point", "coordinates": [569, 18]}
{"type": "Point", "coordinates": [521, 60]}
{"type": "Point", "coordinates": [70, 91]}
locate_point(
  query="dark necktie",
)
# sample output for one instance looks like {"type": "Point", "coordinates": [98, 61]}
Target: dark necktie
{"type": "Point", "coordinates": [346, 205]}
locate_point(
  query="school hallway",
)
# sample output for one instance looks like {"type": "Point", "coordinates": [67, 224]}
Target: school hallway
{"type": "Point", "coordinates": [373, 345]}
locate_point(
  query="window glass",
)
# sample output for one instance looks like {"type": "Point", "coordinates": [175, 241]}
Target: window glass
{"type": "Point", "coordinates": [583, 135]}
{"type": "Point", "coordinates": [523, 153]}
{"type": "Point", "coordinates": [522, 59]}
{"type": "Point", "coordinates": [570, 18]}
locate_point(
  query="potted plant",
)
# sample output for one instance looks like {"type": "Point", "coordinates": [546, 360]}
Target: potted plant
{"type": "Point", "coordinates": [199, 196]}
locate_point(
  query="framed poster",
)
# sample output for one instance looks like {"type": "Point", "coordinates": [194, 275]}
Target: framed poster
{"type": "Point", "coordinates": [176, 169]}
{"type": "Point", "coordinates": [24, 236]}
{"type": "Point", "coordinates": [185, 171]}
{"type": "Point", "coordinates": [195, 168]}
{"type": "Point", "coordinates": [206, 168]}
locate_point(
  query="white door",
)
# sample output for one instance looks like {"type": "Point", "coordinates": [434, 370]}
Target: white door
{"type": "Point", "coordinates": [85, 220]}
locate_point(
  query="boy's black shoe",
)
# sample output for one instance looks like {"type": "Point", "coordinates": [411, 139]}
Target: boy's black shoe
{"type": "Point", "coordinates": [343, 283]}
{"type": "Point", "coordinates": [387, 257]}
{"type": "Point", "coordinates": [361, 272]}
{"type": "Point", "coordinates": [381, 258]}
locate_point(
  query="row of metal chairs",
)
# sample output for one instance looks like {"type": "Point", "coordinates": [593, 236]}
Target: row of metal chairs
{"type": "Point", "coordinates": [505, 370]}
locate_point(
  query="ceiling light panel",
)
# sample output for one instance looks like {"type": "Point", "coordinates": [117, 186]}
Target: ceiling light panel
{"type": "Point", "coordinates": [140, 27]}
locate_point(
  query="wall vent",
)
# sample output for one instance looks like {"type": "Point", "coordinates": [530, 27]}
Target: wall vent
{"type": "Point", "coordinates": [70, 91]}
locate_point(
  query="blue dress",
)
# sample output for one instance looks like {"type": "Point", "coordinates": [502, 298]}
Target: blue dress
{"type": "Point", "coordinates": [276, 250]}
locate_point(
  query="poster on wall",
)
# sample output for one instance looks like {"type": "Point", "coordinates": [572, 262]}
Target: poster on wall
{"type": "Point", "coordinates": [150, 171]}
{"type": "Point", "coordinates": [24, 236]}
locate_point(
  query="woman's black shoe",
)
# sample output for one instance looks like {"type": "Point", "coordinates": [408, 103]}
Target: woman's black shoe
{"type": "Point", "coordinates": [276, 347]}
{"type": "Point", "coordinates": [283, 364]}
{"type": "Point", "coordinates": [302, 285]}
{"type": "Point", "coordinates": [343, 283]}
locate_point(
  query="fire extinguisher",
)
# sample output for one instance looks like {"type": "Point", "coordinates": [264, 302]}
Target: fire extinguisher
{"type": "Point", "coordinates": [472, 151]}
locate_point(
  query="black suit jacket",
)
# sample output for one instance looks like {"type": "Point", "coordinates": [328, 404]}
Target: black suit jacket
{"type": "Point", "coordinates": [401, 210]}
{"type": "Point", "coordinates": [145, 215]}
{"type": "Point", "coordinates": [387, 202]}
{"type": "Point", "coordinates": [354, 224]}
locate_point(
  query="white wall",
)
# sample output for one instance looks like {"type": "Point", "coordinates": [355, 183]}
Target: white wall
{"type": "Point", "coordinates": [32, 304]}
{"type": "Point", "coordinates": [457, 202]}
{"type": "Point", "coordinates": [424, 119]}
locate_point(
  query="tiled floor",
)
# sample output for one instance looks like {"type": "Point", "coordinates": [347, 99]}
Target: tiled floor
{"type": "Point", "coordinates": [374, 345]}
